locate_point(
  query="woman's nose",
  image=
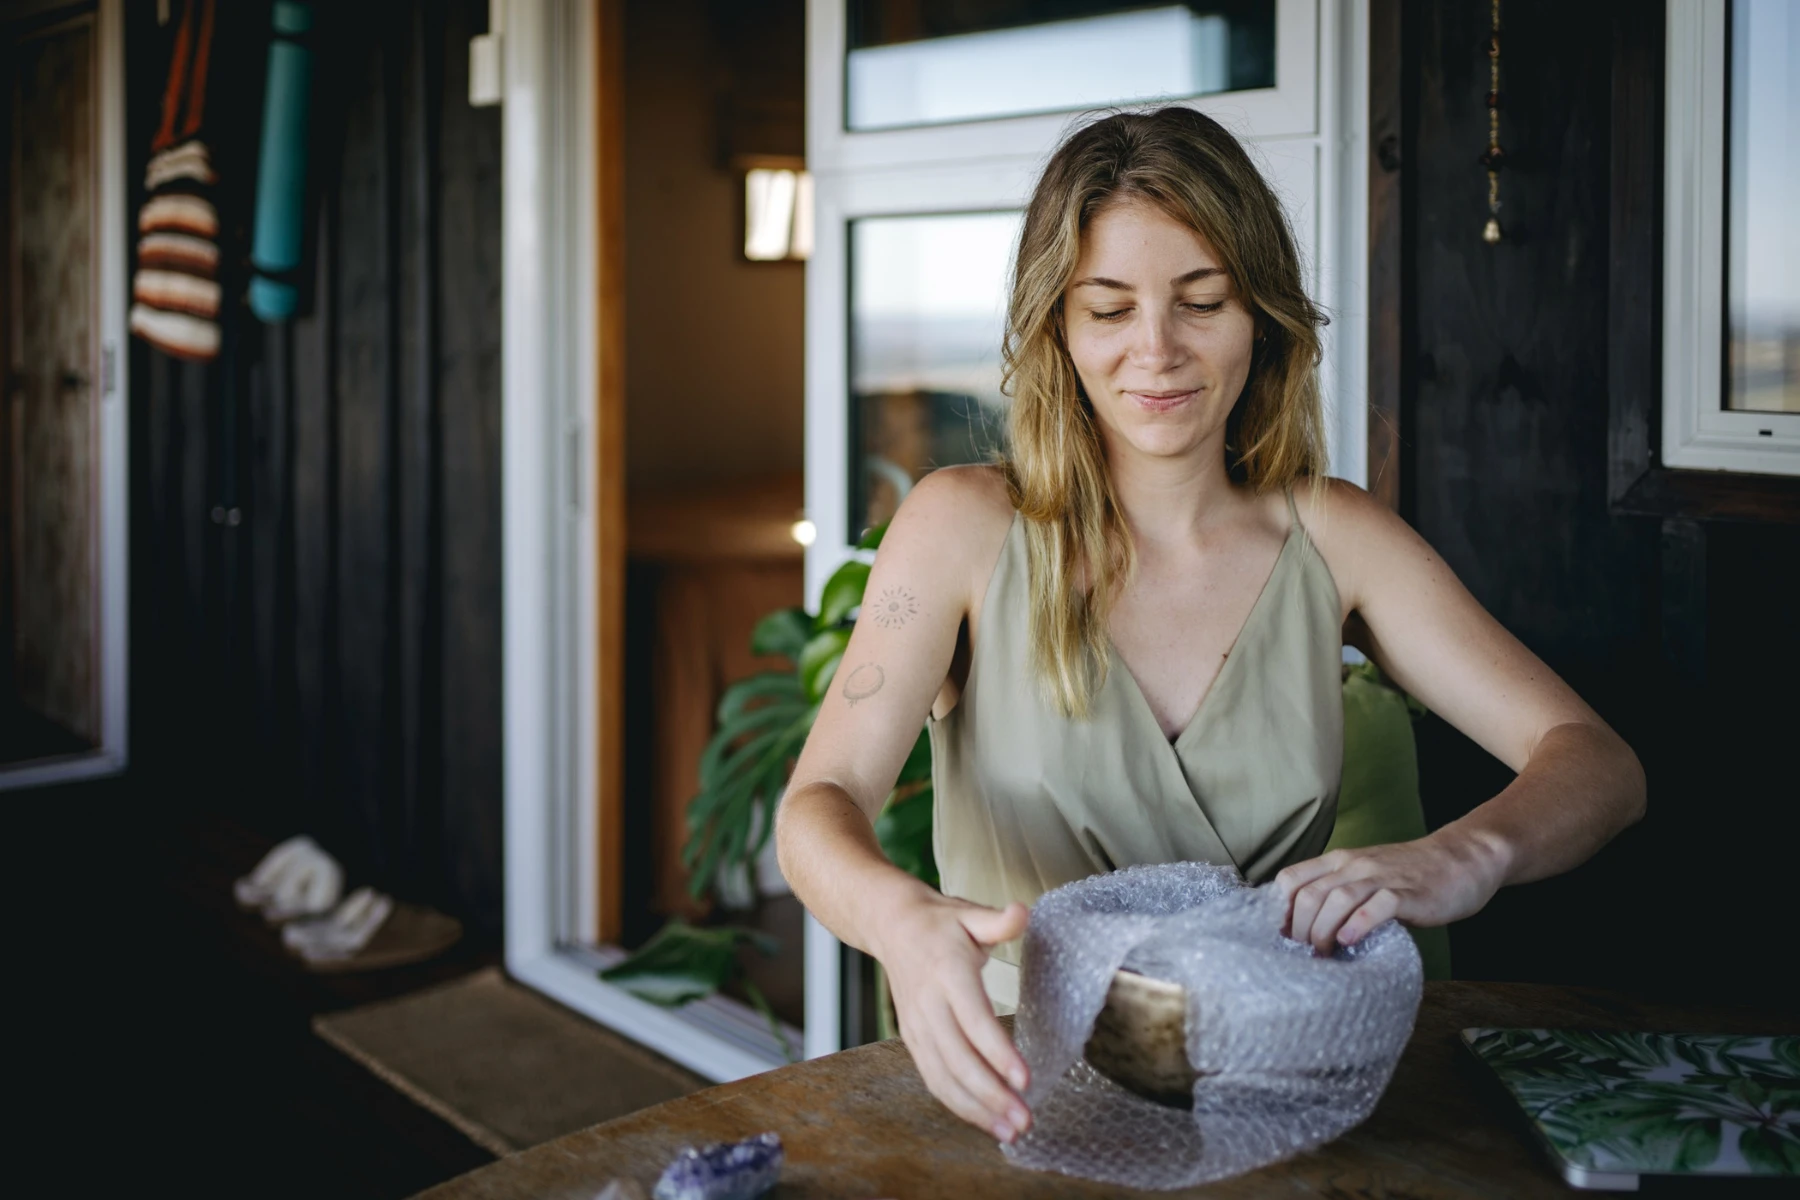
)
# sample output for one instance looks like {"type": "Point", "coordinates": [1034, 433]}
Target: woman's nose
{"type": "Point", "coordinates": [1154, 345]}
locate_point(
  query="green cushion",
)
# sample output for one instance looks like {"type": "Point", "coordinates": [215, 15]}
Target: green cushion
{"type": "Point", "coordinates": [1378, 800]}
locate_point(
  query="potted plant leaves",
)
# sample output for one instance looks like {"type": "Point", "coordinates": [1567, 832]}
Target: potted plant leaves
{"type": "Point", "coordinates": [763, 722]}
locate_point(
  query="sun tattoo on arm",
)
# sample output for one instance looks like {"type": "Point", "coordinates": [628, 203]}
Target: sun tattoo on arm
{"type": "Point", "coordinates": [864, 682]}
{"type": "Point", "coordinates": [896, 607]}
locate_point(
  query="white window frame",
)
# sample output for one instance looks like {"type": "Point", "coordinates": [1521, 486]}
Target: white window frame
{"type": "Point", "coordinates": [1697, 431]}
{"type": "Point", "coordinates": [112, 559]}
{"type": "Point", "coordinates": [1290, 107]}
{"type": "Point", "coordinates": [1310, 134]}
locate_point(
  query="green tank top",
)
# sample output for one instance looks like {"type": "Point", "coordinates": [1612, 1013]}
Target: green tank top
{"type": "Point", "coordinates": [1027, 800]}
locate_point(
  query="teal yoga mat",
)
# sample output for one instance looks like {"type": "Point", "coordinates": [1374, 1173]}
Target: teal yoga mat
{"type": "Point", "coordinates": [281, 169]}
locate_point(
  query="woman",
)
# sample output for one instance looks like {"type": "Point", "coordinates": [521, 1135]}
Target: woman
{"type": "Point", "coordinates": [1127, 636]}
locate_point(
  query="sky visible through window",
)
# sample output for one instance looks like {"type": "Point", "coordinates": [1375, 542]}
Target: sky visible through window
{"type": "Point", "coordinates": [1762, 280]}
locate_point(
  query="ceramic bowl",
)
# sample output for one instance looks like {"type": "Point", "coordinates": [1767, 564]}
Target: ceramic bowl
{"type": "Point", "coordinates": [1140, 1039]}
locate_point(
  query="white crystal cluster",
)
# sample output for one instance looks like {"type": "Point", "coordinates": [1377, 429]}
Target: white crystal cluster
{"type": "Point", "coordinates": [1292, 1050]}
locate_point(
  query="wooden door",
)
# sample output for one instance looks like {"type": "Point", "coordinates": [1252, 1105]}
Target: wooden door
{"type": "Point", "coordinates": [51, 417]}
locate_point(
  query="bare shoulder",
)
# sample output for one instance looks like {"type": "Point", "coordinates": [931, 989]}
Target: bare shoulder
{"type": "Point", "coordinates": [975, 491]}
{"type": "Point", "coordinates": [944, 540]}
{"type": "Point", "coordinates": [961, 513]}
{"type": "Point", "coordinates": [1357, 534]}
{"type": "Point", "coordinates": [1336, 508]}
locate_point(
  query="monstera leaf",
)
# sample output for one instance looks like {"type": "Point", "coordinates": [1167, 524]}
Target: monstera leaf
{"type": "Point", "coordinates": [1655, 1101]}
{"type": "Point", "coordinates": [843, 593]}
{"type": "Point", "coordinates": [782, 632]}
{"type": "Point", "coordinates": [683, 963]}
{"type": "Point", "coordinates": [763, 722]}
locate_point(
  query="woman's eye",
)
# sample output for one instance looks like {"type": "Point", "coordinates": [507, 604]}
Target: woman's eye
{"type": "Point", "coordinates": [1215, 306]}
{"type": "Point", "coordinates": [1114, 315]}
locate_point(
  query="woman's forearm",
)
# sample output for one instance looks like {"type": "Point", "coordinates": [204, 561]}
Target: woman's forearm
{"type": "Point", "coordinates": [830, 857]}
{"type": "Point", "coordinates": [1581, 786]}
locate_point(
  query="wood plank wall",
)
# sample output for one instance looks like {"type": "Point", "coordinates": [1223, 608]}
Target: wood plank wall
{"type": "Point", "coordinates": [1683, 638]}
{"type": "Point", "coordinates": [316, 610]}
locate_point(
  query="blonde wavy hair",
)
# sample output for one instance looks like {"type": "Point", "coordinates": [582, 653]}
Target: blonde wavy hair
{"type": "Point", "coordinates": [1079, 550]}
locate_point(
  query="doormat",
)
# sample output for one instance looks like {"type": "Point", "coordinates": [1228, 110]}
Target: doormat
{"type": "Point", "coordinates": [502, 1064]}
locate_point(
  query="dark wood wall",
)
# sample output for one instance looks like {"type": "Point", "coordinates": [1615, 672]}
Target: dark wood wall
{"type": "Point", "coordinates": [1515, 362]}
{"type": "Point", "coordinates": [316, 608]}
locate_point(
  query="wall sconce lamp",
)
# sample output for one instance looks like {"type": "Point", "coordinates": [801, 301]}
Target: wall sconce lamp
{"type": "Point", "coordinates": [778, 214]}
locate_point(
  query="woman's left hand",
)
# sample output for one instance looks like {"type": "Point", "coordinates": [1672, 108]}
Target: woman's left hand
{"type": "Point", "coordinates": [1335, 899]}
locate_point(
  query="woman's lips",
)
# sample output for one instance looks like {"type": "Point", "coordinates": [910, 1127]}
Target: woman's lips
{"type": "Point", "coordinates": [1161, 402]}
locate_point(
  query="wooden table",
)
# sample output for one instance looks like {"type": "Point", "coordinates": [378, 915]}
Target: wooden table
{"type": "Point", "coordinates": [861, 1124]}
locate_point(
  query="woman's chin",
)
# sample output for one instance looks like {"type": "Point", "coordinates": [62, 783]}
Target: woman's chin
{"type": "Point", "coordinates": [1175, 435]}
{"type": "Point", "coordinates": [1165, 441]}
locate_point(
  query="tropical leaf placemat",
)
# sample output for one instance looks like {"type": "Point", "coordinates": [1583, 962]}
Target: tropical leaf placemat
{"type": "Point", "coordinates": [1616, 1105]}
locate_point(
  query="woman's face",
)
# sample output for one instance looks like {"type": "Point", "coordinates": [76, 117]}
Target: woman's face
{"type": "Point", "coordinates": [1156, 330]}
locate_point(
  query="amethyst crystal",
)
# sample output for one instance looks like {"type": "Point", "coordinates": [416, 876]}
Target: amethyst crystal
{"type": "Point", "coordinates": [723, 1170]}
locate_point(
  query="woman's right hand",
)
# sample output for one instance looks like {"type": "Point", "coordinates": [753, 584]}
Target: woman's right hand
{"type": "Point", "coordinates": [933, 951]}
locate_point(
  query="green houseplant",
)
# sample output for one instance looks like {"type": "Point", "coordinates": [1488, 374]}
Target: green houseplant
{"type": "Point", "coordinates": [762, 724]}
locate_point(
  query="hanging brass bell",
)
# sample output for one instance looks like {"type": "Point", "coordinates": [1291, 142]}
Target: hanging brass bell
{"type": "Point", "coordinates": [1490, 233]}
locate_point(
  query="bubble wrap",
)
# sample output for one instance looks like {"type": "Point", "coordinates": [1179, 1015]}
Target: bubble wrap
{"type": "Point", "coordinates": [1293, 1050]}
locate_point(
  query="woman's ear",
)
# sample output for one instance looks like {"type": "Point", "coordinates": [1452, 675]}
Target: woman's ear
{"type": "Point", "coordinates": [1261, 342]}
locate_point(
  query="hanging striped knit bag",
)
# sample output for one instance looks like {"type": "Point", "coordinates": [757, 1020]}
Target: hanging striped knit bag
{"type": "Point", "coordinates": [175, 292]}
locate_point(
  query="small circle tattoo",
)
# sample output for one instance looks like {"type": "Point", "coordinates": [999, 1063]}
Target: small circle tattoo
{"type": "Point", "coordinates": [896, 607]}
{"type": "Point", "coordinates": [864, 682]}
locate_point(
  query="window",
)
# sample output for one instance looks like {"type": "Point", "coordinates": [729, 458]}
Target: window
{"type": "Point", "coordinates": [1762, 164]}
{"type": "Point", "coordinates": [1731, 319]}
{"type": "Point", "coordinates": [928, 64]}
{"type": "Point", "coordinates": [927, 310]}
